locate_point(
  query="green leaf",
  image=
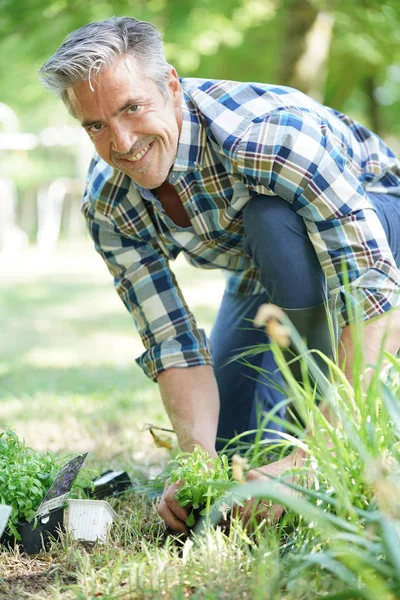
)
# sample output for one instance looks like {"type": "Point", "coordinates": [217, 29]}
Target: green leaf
{"type": "Point", "coordinates": [200, 475]}
{"type": "Point", "coordinates": [190, 521]}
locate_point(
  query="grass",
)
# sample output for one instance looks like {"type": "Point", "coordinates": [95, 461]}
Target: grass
{"type": "Point", "coordinates": [69, 383]}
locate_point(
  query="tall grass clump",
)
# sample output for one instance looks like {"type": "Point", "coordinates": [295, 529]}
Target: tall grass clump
{"type": "Point", "coordinates": [343, 501]}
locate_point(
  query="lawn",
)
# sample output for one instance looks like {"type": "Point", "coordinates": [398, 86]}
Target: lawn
{"type": "Point", "coordinates": [67, 354]}
{"type": "Point", "coordinates": [69, 383]}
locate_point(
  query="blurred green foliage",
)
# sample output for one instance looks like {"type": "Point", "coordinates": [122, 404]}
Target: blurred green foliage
{"type": "Point", "coordinates": [236, 39]}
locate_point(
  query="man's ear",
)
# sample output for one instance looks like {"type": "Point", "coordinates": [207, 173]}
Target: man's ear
{"type": "Point", "coordinates": [174, 87]}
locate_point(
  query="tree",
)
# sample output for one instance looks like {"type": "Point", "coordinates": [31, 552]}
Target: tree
{"type": "Point", "coordinates": [259, 40]}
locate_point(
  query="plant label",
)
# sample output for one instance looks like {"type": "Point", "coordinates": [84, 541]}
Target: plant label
{"type": "Point", "coordinates": [61, 486]}
{"type": "Point", "coordinates": [5, 512]}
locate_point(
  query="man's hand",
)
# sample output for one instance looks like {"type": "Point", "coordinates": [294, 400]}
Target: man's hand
{"type": "Point", "coordinates": [169, 510]}
{"type": "Point", "coordinates": [264, 509]}
{"type": "Point", "coordinates": [175, 515]}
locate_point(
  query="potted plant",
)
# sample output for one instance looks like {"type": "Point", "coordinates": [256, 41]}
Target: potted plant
{"type": "Point", "coordinates": [26, 476]}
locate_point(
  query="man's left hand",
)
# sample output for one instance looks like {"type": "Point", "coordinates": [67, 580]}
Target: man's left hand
{"type": "Point", "coordinates": [264, 509]}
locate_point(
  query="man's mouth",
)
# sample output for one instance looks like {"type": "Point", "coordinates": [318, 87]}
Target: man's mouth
{"type": "Point", "coordinates": [138, 156]}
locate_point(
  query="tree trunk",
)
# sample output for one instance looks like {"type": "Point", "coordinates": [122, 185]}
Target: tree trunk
{"type": "Point", "coordinates": [373, 106]}
{"type": "Point", "coordinates": [306, 46]}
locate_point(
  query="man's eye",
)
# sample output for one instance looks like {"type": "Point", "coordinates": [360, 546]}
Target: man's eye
{"type": "Point", "coordinates": [134, 108]}
{"type": "Point", "coordinates": [95, 128]}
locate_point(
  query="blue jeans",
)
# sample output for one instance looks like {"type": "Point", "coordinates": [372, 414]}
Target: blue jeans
{"type": "Point", "coordinates": [276, 238]}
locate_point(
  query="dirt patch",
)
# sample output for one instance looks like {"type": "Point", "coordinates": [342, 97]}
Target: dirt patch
{"type": "Point", "coordinates": [20, 576]}
{"type": "Point", "coordinates": [14, 588]}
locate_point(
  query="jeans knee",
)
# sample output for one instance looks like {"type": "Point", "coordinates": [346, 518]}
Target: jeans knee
{"type": "Point", "coordinates": [272, 220]}
{"type": "Point", "coordinates": [277, 240]}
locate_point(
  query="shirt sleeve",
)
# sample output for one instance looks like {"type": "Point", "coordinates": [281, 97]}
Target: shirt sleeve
{"type": "Point", "coordinates": [295, 156]}
{"type": "Point", "coordinates": [149, 290]}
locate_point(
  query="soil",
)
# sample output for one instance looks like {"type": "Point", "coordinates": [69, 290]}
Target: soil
{"type": "Point", "coordinates": [15, 587]}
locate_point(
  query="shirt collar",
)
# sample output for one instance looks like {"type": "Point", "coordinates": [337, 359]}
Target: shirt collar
{"type": "Point", "coordinates": [192, 139]}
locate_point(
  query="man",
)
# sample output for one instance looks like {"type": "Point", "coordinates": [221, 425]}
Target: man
{"type": "Point", "coordinates": [259, 180]}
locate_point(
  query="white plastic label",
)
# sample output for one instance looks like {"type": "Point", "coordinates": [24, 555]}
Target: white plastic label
{"type": "Point", "coordinates": [5, 512]}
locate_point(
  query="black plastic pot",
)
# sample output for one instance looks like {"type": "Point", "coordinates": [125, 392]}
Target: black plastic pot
{"type": "Point", "coordinates": [110, 483]}
{"type": "Point", "coordinates": [36, 539]}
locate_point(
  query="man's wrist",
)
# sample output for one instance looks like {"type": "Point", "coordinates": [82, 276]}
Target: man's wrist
{"type": "Point", "coordinates": [188, 444]}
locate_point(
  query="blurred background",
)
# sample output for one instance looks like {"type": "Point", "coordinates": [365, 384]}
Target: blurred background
{"type": "Point", "coordinates": [344, 53]}
{"type": "Point", "coordinates": [67, 345]}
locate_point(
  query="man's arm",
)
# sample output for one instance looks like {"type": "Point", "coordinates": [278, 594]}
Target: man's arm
{"type": "Point", "coordinates": [385, 329]}
{"type": "Point", "coordinates": [169, 332]}
{"type": "Point", "coordinates": [191, 399]}
{"type": "Point", "coordinates": [301, 160]}
{"type": "Point", "coordinates": [190, 396]}
{"type": "Point", "coordinates": [125, 237]}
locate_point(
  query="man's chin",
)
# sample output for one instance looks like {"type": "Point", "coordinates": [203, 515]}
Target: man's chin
{"type": "Point", "coordinates": [145, 181]}
{"type": "Point", "coordinates": [145, 177]}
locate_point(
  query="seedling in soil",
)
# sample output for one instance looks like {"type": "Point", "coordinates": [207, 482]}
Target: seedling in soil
{"type": "Point", "coordinates": [198, 471]}
{"type": "Point", "coordinates": [25, 478]}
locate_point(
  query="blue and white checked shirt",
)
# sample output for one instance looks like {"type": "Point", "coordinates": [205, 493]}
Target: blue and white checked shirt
{"type": "Point", "coordinates": [239, 140]}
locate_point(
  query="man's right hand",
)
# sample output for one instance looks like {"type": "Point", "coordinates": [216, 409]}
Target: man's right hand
{"type": "Point", "coordinates": [170, 511]}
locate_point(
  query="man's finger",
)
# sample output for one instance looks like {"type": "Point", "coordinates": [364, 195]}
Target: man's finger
{"type": "Point", "coordinates": [171, 520]}
{"type": "Point", "coordinates": [247, 512]}
{"type": "Point", "coordinates": [173, 505]}
{"type": "Point", "coordinates": [254, 511]}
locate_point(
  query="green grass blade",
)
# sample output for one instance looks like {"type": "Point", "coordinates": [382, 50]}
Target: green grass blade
{"type": "Point", "coordinates": [392, 405]}
{"type": "Point", "coordinates": [391, 541]}
{"type": "Point", "coordinates": [272, 490]}
{"type": "Point", "coordinates": [324, 561]}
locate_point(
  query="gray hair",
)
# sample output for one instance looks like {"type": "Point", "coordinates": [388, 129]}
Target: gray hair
{"type": "Point", "coordinates": [93, 47]}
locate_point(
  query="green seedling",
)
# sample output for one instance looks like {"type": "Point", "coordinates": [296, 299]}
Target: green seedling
{"type": "Point", "coordinates": [26, 476]}
{"type": "Point", "coordinates": [197, 472]}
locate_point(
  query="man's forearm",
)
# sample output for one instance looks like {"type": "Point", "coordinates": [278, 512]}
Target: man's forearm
{"type": "Point", "coordinates": [383, 329]}
{"type": "Point", "coordinates": [190, 396]}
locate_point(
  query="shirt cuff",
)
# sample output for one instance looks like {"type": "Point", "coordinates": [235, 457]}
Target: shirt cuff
{"type": "Point", "coordinates": [190, 349]}
{"type": "Point", "coordinates": [371, 295]}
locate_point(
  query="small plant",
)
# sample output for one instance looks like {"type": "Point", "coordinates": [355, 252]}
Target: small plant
{"type": "Point", "coordinates": [26, 476]}
{"type": "Point", "coordinates": [198, 471]}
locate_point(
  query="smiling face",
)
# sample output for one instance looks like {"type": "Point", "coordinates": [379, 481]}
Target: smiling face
{"type": "Point", "coordinates": [132, 124]}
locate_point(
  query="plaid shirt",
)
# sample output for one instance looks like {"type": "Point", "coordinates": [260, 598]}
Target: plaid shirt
{"type": "Point", "coordinates": [239, 140]}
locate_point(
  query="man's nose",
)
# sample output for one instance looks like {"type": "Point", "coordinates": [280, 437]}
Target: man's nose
{"type": "Point", "coordinates": [122, 139]}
